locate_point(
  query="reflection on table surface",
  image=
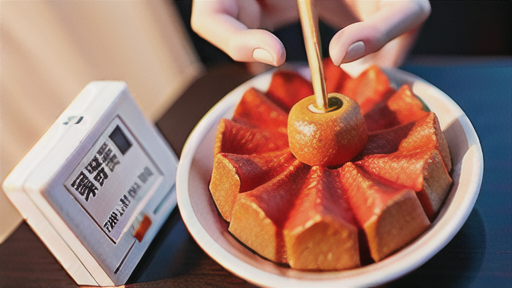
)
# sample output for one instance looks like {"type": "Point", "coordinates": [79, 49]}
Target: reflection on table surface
{"type": "Point", "coordinates": [479, 256]}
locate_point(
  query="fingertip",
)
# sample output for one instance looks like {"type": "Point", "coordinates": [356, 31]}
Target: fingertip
{"type": "Point", "coordinates": [255, 45]}
{"type": "Point", "coordinates": [263, 56]}
{"type": "Point", "coordinates": [269, 49]}
{"type": "Point", "coordinates": [351, 43]}
{"type": "Point", "coordinates": [336, 50]}
{"type": "Point", "coordinates": [354, 52]}
{"type": "Point", "coordinates": [340, 54]}
{"type": "Point", "coordinates": [280, 56]}
{"type": "Point", "coordinates": [336, 58]}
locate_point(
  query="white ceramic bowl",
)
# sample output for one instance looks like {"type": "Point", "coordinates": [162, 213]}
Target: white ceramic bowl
{"type": "Point", "coordinates": [210, 230]}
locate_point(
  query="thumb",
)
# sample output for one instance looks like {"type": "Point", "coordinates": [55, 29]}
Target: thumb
{"type": "Point", "coordinates": [256, 45]}
{"type": "Point", "coordinates": [354, 42]}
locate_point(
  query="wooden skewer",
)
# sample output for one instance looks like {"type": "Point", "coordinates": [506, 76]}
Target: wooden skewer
{"type": "Point", "coordinates": [309, 21]}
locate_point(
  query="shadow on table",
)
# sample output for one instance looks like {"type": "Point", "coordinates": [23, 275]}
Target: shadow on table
{"type": "Point", "coordinates": [457, 264]}
{"type": "Point", "coordinates": [166, 255]}
{"type": "Point", "coordinates": [175, 260]}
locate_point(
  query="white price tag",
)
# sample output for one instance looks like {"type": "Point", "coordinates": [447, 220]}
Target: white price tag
{"type": "Point", "coordinates": [112, 179]}
{"type": "Point", "coordinates": [97, 186]}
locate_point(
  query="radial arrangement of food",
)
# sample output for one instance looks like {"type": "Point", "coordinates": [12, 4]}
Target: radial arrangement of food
{"type": "Point", "coordinates": [330, 215]}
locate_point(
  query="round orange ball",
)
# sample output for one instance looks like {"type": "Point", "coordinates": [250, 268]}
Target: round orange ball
{"type": "Point", "coordinates": [326, 138]}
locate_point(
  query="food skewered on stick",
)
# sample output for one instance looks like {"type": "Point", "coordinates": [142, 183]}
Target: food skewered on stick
{"type": "Point", "coordinates": [325, 130]}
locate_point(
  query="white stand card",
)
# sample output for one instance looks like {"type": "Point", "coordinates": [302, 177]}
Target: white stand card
{"type": "Point", "coordinates": [98, 185]}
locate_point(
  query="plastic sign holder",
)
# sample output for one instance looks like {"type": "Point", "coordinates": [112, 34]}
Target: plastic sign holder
{"type": "Point", "coordinates": [97, 186]}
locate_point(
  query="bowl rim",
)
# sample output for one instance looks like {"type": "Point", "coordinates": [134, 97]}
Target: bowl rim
{"type": "Point", "coordinates": [437, 236]}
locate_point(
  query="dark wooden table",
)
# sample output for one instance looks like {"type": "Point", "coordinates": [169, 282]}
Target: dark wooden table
{"type": "Point", "coordinates": [479, 255]}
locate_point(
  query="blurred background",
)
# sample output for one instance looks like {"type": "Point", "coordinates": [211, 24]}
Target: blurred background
{"type": "Point", "coordinates": [454, 28]}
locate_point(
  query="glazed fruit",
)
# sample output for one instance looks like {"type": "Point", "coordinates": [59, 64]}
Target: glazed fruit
{"type": "Point", "coordinates": [373, 199]}
{"type": "Point", "coordinates": [326, 138]}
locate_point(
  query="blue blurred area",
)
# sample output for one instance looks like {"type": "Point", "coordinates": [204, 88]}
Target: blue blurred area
{"type": "Point", "coordinates": [483, 89]}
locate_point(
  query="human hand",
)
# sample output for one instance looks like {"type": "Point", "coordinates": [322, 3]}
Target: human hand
{"type": "Point", "coordinates": [380, 32]}
{"type": "Point", "coordinates": [237, 27]}
{"type": "Point", "coordinates": [373, 32]}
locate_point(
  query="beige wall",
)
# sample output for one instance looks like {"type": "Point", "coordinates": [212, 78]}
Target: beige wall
{"type": "Point", "coordinates": [49, 51]}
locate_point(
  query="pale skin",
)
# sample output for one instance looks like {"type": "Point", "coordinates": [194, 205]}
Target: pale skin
{"type": "Point", "coordinates": [370, 31]}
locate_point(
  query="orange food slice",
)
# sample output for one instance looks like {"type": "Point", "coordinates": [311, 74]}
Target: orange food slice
{"type": "Point", "coordinates": [386, 141]}
{"type": "Point", "coordinates": [406, 106]}
{"type": "Point", "coordinates": [233, 174]}
{"type": "Point", "coordinates": [369, 88]}
{"type": "Point", "coordinates": [380, 118]}
{"type": "Point", "coordinates": [423, 134]}
{"type": "Point", "coordinates": [422, 171]}
{"type": "Point", "coordinates": [320, 233]}
{"type": "Point", "coordinates": [287, 88]}
{"type": "Point", "coordinates": [401, 108]}
{"type": "Point", "coordinates": [237, 138]}
{"type": "Point", "coordinates": [391, 216]}
{"type": "Point", "coordinates": [427, 134]}
{"type": "Point", "coordinates": [259, 215]}
{"type": "Point", "coordinates": [257, 110]}
{"type": "Point", "coordinates": [336, 79]}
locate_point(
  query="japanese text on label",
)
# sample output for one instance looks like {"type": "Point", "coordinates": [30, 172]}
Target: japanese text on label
{"type": "Point", "coordinates": [96, 172]}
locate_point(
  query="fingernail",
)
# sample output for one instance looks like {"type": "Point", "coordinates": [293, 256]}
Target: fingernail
{"type": "Point", "coordinates": [262, 55]}
{"type": "Point", "coordinates": [355, 51]}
